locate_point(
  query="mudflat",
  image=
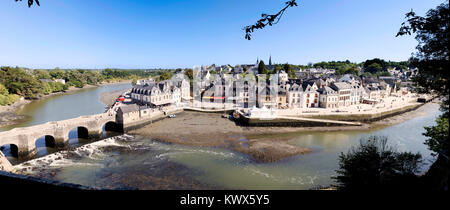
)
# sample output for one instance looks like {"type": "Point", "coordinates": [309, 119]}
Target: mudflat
{"type": "Point", "coordinates": [211, 130]}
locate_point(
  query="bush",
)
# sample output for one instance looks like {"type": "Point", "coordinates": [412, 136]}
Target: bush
{"type": "Point", "coordinates": [374, 165]}
{"type": "Point", "coordinates": [8, 99]}
{"type": "Point", "coordinates": [78, 84]}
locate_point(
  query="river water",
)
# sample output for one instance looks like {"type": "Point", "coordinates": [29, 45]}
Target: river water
{"type": "Point", "coordinates": [135, 162]}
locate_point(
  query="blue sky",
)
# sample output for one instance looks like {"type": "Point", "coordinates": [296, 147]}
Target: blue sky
{"type": "Point", "coordinates": [185, 33]}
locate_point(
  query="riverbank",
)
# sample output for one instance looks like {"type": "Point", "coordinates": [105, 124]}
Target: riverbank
{"type": "Point", "coordinates": [210, 130]}
{"type": "Point", "coordinates": [9, 116]}
{"type": "Point", "coordinates": [109, 98]}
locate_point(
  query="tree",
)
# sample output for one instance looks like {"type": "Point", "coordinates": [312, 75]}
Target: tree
{"type": "Point", "coordinates": [57, 73]}
{"type": "Point", "coordinates": [375, 65]}
{"type": "Point", "coordinates": [268, 20]}
{"type": "Point", "coordinates": [19, 81]}
{"type": "Point", "coordinates": [432, 56]}
{"type": "Point", "coordinates": [290, 70]}
{"type": "Point", "coordinates": [165, 75]}
{"type": "Point", "coordinates": [438, 137]}
{"type": "Point", "coordinates": [374, 165]}
{"type": "Point", "coordinates": [42, 74]}
{"type": "Point", "coordinates": [3, 90]}
{"type": "Point", "coordinates": [262, 68]}
{"type": "Point", "coordinates": [432, 62]}
{"type": "Point", "coordinates": [189, 73]}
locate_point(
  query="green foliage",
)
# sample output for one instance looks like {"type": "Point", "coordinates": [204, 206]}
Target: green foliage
{"type": "Point", "coordinates": [398, 86]}
{"type": "Point", "coordinates": [290, 70]}
{"type": "Point", "coordinates": [3, 90]}
{"type": "Point", "coordinates": [432, 59]}
{"type": "Point", "coordinates": [8, 99]}
{"type": "Point", "coordinates": [78, 84]}
{"type": "Point", "coordinates": [341, 67]}
{"type": "Point", "coordinates": [165, 75]}
{"type": "Point", "coordinates": [5, 97]}
{"type": "Point", "coordinates": [189, 73]}
{"type": "Point", "coordinates": [374, 165]}
{"type": "Point", "coordinates": [262, 68]}
{"type": "Point", "coordinates": [20, 82]}
{"type": "Point", "coordinates": [57, 74]}
{"type": "Point", "coordinates": [438, 137]}
{"type": "Point", "coordinates": [268, 20]}
{"type": "Point", "coordinates": [41, 74]}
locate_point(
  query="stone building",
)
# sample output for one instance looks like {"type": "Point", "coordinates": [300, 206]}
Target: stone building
{"type": "Point", "coordinates": [344, 90]}
{"type": "Point", "coordinates": [156, 94]}
{"type": "Point", "coordinates": [294, 96]}
{"type": "Point", "coordinates": [328, 98]}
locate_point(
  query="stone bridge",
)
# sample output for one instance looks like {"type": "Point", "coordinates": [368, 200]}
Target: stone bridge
{"type": "Point", "coordinates": [56, 134]}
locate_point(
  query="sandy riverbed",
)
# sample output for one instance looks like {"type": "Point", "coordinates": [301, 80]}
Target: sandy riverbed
{"type": "Point", "coordinates": [209, 129]}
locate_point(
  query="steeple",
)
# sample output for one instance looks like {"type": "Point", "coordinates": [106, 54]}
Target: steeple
{"type": "Point", "coordinates": [270, 60]}
{"type": "Point", "coordinates": [257, 61]}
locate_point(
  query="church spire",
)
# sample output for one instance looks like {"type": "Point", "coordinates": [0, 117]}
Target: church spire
{"type": "Point", "coordinates": [270, 60]}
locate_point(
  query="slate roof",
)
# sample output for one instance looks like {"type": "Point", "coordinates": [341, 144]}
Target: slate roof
{"type": "Point", "coordinates": [341, 85]}
{"type": "Point", "coordinates": [129, 108]}
{"type": "Point", "coordinates": [326, 91]}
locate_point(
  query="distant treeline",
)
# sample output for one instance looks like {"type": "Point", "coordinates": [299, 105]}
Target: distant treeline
{"type": "Point", "coordinates": [16, 82]}
{"type": "Point", "coordinates": [373, 67]}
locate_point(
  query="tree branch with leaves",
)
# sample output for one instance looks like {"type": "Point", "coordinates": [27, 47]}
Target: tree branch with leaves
{"type": "Point", "coordinates": [268, 20]}
{"type": "Point", "coordinates": [30, 2]}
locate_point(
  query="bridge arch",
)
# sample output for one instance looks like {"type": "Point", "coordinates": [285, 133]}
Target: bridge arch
{"type": "Point", "coordinates": [112, 126]}
{"type": "Point", "coordinates": [10, 150]}
{"type": "Point", "coordinates": [45, 141]}
{"type": "Point", "coordinates": [77, 133]}
{"type": "Point", "coordinates": [110, 129]}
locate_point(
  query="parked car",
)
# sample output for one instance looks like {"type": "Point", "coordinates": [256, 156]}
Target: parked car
{"type": "Point", "coordinates": [172, 116]}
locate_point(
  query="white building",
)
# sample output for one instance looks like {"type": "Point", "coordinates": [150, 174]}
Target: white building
{"type": "Point", "coordinates": [310, 97]}
{"type": "Point", "coordinates": [294, 96]}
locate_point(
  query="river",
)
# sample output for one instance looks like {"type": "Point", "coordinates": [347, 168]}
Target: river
{"type": "Point", "coordinates": [135, 162]}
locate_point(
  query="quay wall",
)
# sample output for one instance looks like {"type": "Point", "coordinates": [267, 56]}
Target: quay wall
{"type": "Point", "coordinates": [141, 118]}
{"type": "Point", "coordinates": [277, 122]}
{"type": "Point", "coordinates": [366, 118]}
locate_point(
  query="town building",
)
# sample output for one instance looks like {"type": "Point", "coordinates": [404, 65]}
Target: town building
{"type": "Point", "coordinates": [328, 98]}
{"type": "Point", "coordinates": [344, 90]}
{"type": "Point", "coordinates": [294, 96]}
